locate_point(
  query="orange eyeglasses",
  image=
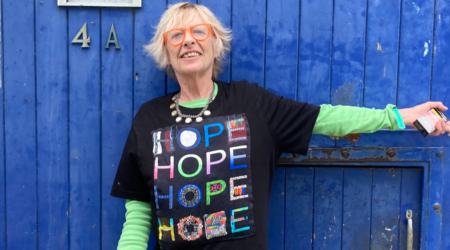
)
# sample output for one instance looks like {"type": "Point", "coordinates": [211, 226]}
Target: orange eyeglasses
{"type": "Point", "coordinates": [199, 32]}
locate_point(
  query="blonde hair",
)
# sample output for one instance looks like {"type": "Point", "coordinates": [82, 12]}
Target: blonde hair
{"type": "Point", "coordinates": [187, 12]}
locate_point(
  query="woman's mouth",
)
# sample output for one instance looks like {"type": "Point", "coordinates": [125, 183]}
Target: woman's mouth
{"type": "Point", "coordinates": [190, 55]}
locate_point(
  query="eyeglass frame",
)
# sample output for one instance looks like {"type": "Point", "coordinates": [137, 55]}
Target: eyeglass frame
{"type": "Point", "coordinates": [210, 30]}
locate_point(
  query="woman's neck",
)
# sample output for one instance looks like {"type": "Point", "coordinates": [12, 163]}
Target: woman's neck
{"type": "Point", "coordinates": [194, 88]}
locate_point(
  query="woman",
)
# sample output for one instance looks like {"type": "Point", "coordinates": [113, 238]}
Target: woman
{"type": "Point", "coordinates": [198, 164]}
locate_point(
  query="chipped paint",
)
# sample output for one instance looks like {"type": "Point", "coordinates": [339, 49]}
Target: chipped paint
{"type": "Point", "coordinates": [426, 49]}
{"type": "Point", "coordinates": [379, 48]}
{"type": "Point", "coordinates": [416, 8]}
{"type": "Point", "coordinates": [353, 138]}
{"type": "Point", "coordinates": [390, 229]}
{"type": "Point", "coordinates": [348, 94]}
{"type": "Point", "coordinates": [384, 72]}
{"type": "Point", "coordinates": [385, 237]}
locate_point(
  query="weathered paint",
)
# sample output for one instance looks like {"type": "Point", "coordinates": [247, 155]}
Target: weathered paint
{"type": "Point", "coordinates": [85, 131]}
{"type": "Point", "coordinates": [20, 124]}
{"type": "Point", "coordinates": [70, 117]}
{"type": "Point", "coordinates": [117, 116]}
{"type": "Point", "coordinates": [52, 133]}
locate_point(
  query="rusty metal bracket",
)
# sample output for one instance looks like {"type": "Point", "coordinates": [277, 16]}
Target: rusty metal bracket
{"type": "Point", "coordinates": [336, 155]}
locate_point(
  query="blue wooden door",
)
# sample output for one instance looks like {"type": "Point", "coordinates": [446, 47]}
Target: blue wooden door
{"type": "Point", "coordinates": [66, 112]}
{"type": "Point", "coordinates": [349, 207]}
{"type": "Point", "coordinates": [356, 202]}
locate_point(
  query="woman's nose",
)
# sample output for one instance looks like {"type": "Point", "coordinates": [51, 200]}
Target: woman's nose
{"type": "Point", "coordinates": [188, 39]}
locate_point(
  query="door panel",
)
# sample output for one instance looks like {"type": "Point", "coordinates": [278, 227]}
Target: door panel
{"type": "Point", "coordinates": [349, 207]}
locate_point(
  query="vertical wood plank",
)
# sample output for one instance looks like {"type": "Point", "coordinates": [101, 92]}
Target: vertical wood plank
{"type": "Point", "coordinates": [299, 208]}
{"type": "Point", "coordinates": [356, 208]}
{"type": "Point", "coordinates": [416, 48]}
{"type": "Point", "coordinates": [440, 91]}
{"type": "Point", "coordinates": [117, 114]}
{"type": "Point", "coordinates": [348, 55]}
{"type": "Point", "coordinates": [282, 47]}
{"type": "Point", "coordinates": [173, 85]}
{"type": "Point", "coordinates": [20, 124]}
{"type": "Point", "coordinates": [327, 208]}
{"type": "Point", "coordinates": [2, 146]}
{"type": "Point", "coordinates": [435, 182]}
{"type": "Point", "coordinates": [84, 131]}
{"type": "Point", "coordinates": [385, 208]}
{"type": "Point", "coordinates": [316, 29]}
{"type": "Point", "coordinates": [445, 241]}
{"type": "Point", "coordinates": [348, 52]}
{"type": "Point", "coordinates": [411, 198]}
{"type": "Point", "coordinates": [314, 59]}
{"type": "Point", "coordinates": [149, 81]}
{"type": "Point", "coordinates": [222, 10]}
{"type": "Point", "coordinates": [383, 24]}
{"type": "Point", "coordinates": [248, 45]}
{"type": "Point", "coordinates": [276, 211]}
{"type": "Point", "coordinates": [52, 117]}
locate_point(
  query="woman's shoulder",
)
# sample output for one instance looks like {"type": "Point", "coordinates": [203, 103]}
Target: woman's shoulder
{"type": "Point", "coordinates": [240, 87]}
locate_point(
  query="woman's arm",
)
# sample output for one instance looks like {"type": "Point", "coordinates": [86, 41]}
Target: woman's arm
{"type": "Point", "coordinates": [343, 120]}
{"type": "Point", "coordinates": [136, 228]}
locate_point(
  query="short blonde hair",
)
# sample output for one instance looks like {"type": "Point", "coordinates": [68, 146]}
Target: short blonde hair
{"type": "Point", "coordinates": [173, 16]}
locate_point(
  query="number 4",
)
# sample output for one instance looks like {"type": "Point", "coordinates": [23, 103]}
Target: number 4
{"type": "Point", "coordinates": [86, 40]}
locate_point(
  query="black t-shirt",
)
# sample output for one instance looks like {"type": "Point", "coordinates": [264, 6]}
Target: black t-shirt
{"type": "Point", "coordinates": [209, 183]}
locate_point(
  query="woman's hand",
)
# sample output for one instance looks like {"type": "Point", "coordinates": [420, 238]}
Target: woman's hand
{"type": "Point", "coordinates": [409, 115]}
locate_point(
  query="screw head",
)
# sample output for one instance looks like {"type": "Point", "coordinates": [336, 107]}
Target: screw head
{"type": "Point", "coordinates": [391, 153]}
{"type": "Point", "coordinates": [345, 153]}
{"type": "Point", "coordinates": [440, 154]}
{"type": "Point", "coordinates": [436, 206]}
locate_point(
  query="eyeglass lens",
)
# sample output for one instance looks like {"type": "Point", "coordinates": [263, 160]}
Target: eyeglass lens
{"type": "Point", "coordinates": [198, 32]}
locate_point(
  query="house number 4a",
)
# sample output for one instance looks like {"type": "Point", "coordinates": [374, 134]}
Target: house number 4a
{"type": "Point", "coordinates": [83, 38]}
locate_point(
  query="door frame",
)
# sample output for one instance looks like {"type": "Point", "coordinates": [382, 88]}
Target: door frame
{"type": "Point", "coordinates": [431, 159]}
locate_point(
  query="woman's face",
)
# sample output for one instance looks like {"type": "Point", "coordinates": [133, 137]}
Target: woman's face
{"type": "Point", "coordinates": [192, 56]}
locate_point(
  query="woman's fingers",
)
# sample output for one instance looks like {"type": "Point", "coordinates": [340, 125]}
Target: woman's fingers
{"type": "Point", "coordinates": [440, 128]}
{"type": "Point", "coordinates": [447, 127]}
{"type": "Point", "coordinates": [438, 105]}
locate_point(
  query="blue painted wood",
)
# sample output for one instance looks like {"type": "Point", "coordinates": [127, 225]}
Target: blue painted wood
{"type": "Point", "coordinates": [117, 114]}
{"type": "Point", "coordinates": [20, 127]}
{"type": "Point", "coordinates": [328, 197]}
{"type": "Point", "coordinates": [282, 47]}
{"type": "Point", "coordinates": [172, 85]}
{"type": "Point", "coordinates": [400, 139]}
{"type": "Point", "coordinates": [316, 30]}
{"type": "Point", "coordinates": [445, 241]}
{"type": "Point", "coordinates": [2, 148]}
{"type": "Point", "coordinates": [89, 181]}
{"type": "Point", "coordinates": [385, 208]}
{"type": "Point", "coordinates": [248, 45]}
{"type": "Point", "coordinates": [356, 208]}
{"type": "Point", "coordinates": [348, 55]}
{"type": "Point", "coordinates": [314, 60]}
{"type": "Point", "coordinates": [440, 91]}
{"type": "Point", "coordinates": [348, 52]}
{"type": "Point", "coordinates": [434, 220]}
{"type": "Point", "coordinates": [277, 205]}
{"type": "Point", "coordinates": [416, 46]}
{"type": "Point", "coordinates": [222, 10]}
{"type": "Point", "coordinates": [383, 24]}
{"type": "Point", "coordinates": [149, 81]}
{"type": "Point", "coordinates": [84, 130]}
{"type": "Point", "coordinates": [411, 199]}
{"type": "Point", "coordinates": [299, 208]}
{"type": "Point", "coordinates": [52, 132]}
